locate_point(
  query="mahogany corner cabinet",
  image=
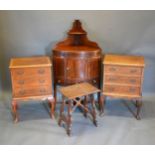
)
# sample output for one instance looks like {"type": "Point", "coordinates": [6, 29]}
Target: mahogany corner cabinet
{"type": "Point", "coordinates": [76, 59]}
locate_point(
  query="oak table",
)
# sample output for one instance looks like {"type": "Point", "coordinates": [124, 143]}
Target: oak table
{"type": "Point", "coordinates": [73, 96]}
{"type": "Point", "coordinates": [31, 80]}
{"type": "Point", "coordinates": [123, 78]}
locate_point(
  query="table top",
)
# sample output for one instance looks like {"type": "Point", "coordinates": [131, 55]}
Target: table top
{"type": "Point", "coordinates": [37, 61]}
{"type": "Point", "coordinates": [129, 60]}
{"type": "Point", "coordinates": [78, 90]}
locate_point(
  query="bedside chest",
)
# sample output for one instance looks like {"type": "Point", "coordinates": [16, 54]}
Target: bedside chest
{"type": "Point", "coordinates": [123, 78]}
{"type": "Point", "coordinates": [31, 79]}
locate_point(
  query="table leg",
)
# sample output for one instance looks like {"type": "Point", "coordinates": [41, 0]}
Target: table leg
{"type": "Point", "coordinates": [14, 110]}
{"type": "Point", "coordinates": [93, 109]}
{"type": "Point", "coordinates": [102, 104]}
{"type": "Point", "coordinates": [139, 105]}
{"type": "Point", "coordinates": [85, 105]}
{"type": "Point", "coordinates": [69, 119]}
{"type": "Point", "coordinates": [55, 92]}
{"type": "Point", "coordinates": [61, 111]}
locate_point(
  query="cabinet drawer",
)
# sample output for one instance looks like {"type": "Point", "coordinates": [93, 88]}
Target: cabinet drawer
{"type": "Point", "coordinates": [30, 72]}
{"type": "Point", "coordinates": [32, 91]}
{"type": "Point", "coordinates": [114, 69]}
{"type": "Point", "coordinates": [116, 79]}
{"type": "Point", "coordinates": [123, 90]}
{"type": "Point", "coordinates": [32, 81]}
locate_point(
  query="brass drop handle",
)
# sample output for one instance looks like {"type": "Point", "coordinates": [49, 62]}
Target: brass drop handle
{"type": "Point", "coordinates": [21, 82]}
{"type": "Point", "coordinates": [132, 80]}
{"type": "Point", "coordinates": [42, 90]}
{"type": "Point", "coordinates": [41, 71]}
{"type": "Point", "coordinates": [133, 71]}
{"type": "Point", "coordinates": [22, 92]}
{"type": "Point", "coordinates": [20, 72]}
{"type": "Point", "coordinates": [112, 79]}
{"type": "Point", "coordinates": [112, 69]}
{"type": "Point", "coordinates": [111, 89]}
{"type": "Point", "coordinates": [132, 90]}
{"type": "Point", "coordinates": [41, 80]}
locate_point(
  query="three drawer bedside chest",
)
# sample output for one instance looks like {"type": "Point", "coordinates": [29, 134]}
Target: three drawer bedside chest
{"type": "Point", "coordinates": [31, 79]}
{"type": "Point", "coordinates": [123, 78]}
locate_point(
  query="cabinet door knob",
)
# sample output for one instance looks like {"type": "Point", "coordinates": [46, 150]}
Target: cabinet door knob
{"type": "Point", "coordinates": [67, 68]}
{"type": "Point", "coordinates": [94, 81]}
{"type": "Point", "coordinates": [59, 81]}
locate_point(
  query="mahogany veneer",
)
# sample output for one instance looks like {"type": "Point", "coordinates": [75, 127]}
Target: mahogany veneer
{"type": "Point", "coordinates": [123, 78]}
{"type": "Point", "coordinates": [31, 79]}
{"type": "Point", "coordinates": [76, 59]}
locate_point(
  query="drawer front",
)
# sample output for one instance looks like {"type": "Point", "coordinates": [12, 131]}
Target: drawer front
{"type": "Point", "coordinates": [116, 79]}
{"type": "Point", "coordinates": [112, 69]}
{"type": "Point", "coordinates": [124, 90]}
{"type": "Point", "coordinates": [17, 73]}
{"type": "Point", "coordinates": [34, 81]}
{"type": "Point", "coordinates": [32, 91]}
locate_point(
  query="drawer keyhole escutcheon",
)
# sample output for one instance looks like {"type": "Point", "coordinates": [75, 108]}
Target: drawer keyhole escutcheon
{"type": "Point", "coordinates": [42, 90]}
{"type": "Point", "coordinates": [42, 81]}
{"type": "Point", "coordinates": [133, 71]}
{"type": "Point", "coordinates": [132, 90]}
{"type": "Point", "coordinates": [133, 81]}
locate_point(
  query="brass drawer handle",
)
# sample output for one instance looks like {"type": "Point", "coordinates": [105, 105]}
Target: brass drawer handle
{"type": "Point", "coordinates": [41, 81]}
{"type": "Point", "coordinates": [41, 71]}
{"type": "Point", "coordinates": [112, 79]}
{"type": "Point", "coordinates": [112, 69]}
{"type": "Point", "coordinates": [133, 71]}
{"type": "Point", "coordinates": [20, 72]}
{"type": "Point", "coordinates": [42, 90]}
{"type": "Point", "coordinates": [22, 92]}
{"type": "Point", "coordinates": [21, 82]}
{"type": "Point", "coordinates": [133, 81]}
{"type": "Point", "coordinates": [111, 89]}
{"type": "Point", "coordinates": [132, 90]}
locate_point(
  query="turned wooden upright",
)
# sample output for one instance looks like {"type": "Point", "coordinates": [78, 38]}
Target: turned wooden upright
{"type": "Point", "coordinates": [76, 59]}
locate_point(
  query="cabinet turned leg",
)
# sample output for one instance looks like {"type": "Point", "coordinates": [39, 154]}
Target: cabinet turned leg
{"type": "Point", "coordinates": [52, 106]}
{"type": "Point", "coordinates": [85, 105]}
{"type": "Point", "coordinates": [102, 104]}
{"type": "Point", "coordinates": [139, 106]}
{"type": "Point", "coordinates": [61, 112]}
{"type": "Point", "coordinates": [69, 119]}
{"type": "Point", "coordinates": [14, 110]}
{"type": "Point", "coordinates": [93, 110]}
{"type": "Point", "coordinates": [55, 92]}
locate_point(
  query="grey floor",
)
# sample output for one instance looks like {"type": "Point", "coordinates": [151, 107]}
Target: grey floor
{"type": "Point", "coordinates": [117, 126]}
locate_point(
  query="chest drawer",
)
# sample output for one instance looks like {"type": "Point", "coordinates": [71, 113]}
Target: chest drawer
{"type": "Point", "coordinates": [127, 80]}
{"type": "Point", "coordinates": [122, 90]}
{"type": "Point", "coordinates": [32, 81]}
{"type": "Point", "coordinates": [116, 69]}
{"type": "Point", "coordinates": [17, 73]}
{"type": "Point", "coordinates": [32, 91]}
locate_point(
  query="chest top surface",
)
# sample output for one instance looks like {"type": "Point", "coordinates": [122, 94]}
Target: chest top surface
{"type": "Point", "coordinates": [41, 61]}
{"type": "Point", "coordinates": [126, 60]}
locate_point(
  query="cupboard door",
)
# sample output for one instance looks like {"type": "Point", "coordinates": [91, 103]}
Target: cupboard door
{"type": "Point", "coordinates": [76, 69]}
{"type": "Point", "coordinates": [93, 68]}
{"type": "Point", "coordinates": [59, 69]}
